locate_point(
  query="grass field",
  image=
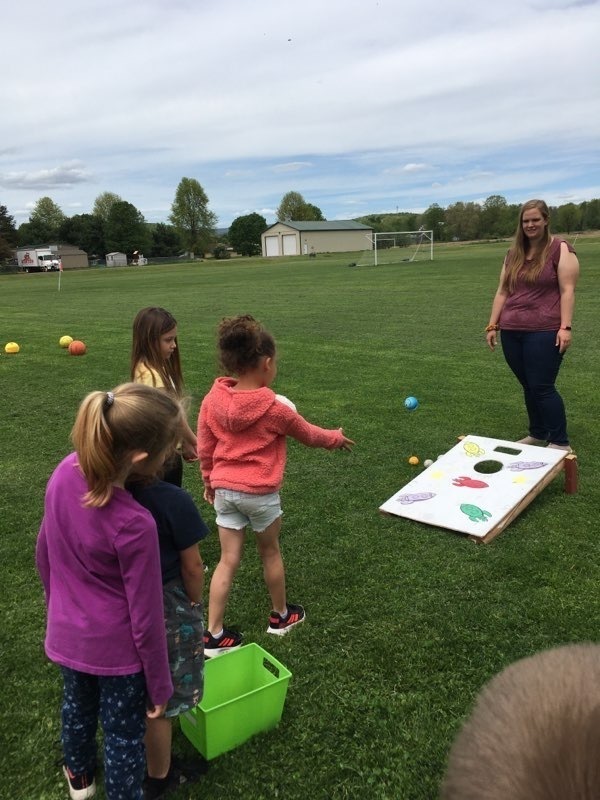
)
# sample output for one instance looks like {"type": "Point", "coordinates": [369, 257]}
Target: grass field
{"type": "Point", "coordinates": [404, 622]}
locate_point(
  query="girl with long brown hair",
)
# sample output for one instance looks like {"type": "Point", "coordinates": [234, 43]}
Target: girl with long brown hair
{"type": "Point", "coordinates": [155, 361]}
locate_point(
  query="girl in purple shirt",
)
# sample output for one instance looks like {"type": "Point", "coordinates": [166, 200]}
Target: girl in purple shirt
{"type": "Point", "coordinates": [98, 557]}
{"type": "Point", "coordinates": [534, 309]}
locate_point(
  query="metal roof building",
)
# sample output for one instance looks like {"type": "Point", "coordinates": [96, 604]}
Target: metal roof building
{"type": "Point", "coordinates": [293, 238]}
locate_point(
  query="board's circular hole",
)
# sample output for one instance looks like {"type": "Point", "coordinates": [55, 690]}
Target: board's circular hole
{"type": "Point", "coordinates": [488, 466]}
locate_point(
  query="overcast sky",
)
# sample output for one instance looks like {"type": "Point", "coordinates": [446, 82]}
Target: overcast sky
{"type": "Point", "coordinates": [362, 107]}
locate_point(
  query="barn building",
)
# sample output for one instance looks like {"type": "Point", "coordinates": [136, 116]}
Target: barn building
{"type": "Point", "coordinates": [73, 257]}
{"type": "Point", "coordinates": [30, 257]}
{"type": "Point", "coordinates": [303, 238]}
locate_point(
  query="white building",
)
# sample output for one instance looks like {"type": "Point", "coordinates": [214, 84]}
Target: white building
{"type": "Point", "coordinates": [303, 238]}
{"type": "Point", "coordinates": [116, 260]}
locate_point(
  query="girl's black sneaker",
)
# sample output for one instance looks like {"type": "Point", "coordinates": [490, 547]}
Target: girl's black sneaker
{"type": "Point", "coordinates": [228, 640]}
{"type": "Point", "coordinates": [281, 625]}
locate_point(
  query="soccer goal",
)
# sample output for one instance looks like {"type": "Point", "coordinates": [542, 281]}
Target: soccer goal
{"type": "Point", "coordinates": [393, 247]}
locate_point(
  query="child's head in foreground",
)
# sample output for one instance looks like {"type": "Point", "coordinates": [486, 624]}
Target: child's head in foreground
{"type": "Point", "coordinates": [132, 424]}
{"type": "Point", "coordinates": [534, 733]}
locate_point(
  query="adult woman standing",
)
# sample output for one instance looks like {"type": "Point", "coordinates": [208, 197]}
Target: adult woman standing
{"type": "Point", "coordinates": [534, 309]}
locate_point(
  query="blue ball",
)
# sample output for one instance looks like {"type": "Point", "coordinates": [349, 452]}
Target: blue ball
{"type": "Point", "coordinates": [411, 403]}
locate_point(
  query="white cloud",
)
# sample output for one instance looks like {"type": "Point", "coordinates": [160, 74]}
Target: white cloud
{"type": "Point", "coordinates": [406, 168]}
{"type": "Point", "coordinates": [238, 173]}
{"type": "Point", "coordinates": [292, 166]}
{"type": "Point", "coordinates": [66, 175]}
{"type": "Point", "coordinates": [362, 104]}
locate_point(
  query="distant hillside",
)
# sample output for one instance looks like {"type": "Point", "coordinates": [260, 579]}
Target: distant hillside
{"type": "Point", "coordinates": [152, 225]}
{"type": "Point", "coordinates": [401, 221]}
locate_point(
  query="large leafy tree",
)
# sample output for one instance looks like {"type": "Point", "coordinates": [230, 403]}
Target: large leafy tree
{"type": "Point", "coordinates": [315, 213]}
{"type": "Point", "coordinates": [104, 203]}
{"type": "Point", "coordinates": [85, 231]}
{"type": "Point", "coordinates": [125, 229]}
{"type": "Point", "coordinates": [44, 222]}
{"type": "Point", "coordinates": [497, 217]}
{"type": "Point", "coordinates": [244, 234]}
{"type": "Point", "coordinates": [463, 220]}
{"type": "Point", "coordinates": [568, 217]}
{"type": "Point", "coordinates": [434, 219]}
{"type": "Point", "coordinates": [8, 234]}
{"type": "Point", "coordinates": [291, 206]}
{"type": "Point", "coordinates": [192, 217]}
{"type": "Point", "coordinates": [165, 241]}
{"type": "Point", "coordinates": [294, 207]}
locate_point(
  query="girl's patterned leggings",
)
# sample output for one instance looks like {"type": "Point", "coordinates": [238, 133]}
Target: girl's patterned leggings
{"type": "Point", "coordinates": [119, 703]}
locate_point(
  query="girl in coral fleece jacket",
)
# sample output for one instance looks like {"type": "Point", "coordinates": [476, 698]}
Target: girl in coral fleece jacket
{"type": "Point", "coordinates": [242, 429]}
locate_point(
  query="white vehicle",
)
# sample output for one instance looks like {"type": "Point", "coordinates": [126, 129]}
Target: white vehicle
{"type": "Point", "coordinates": [37, 259]}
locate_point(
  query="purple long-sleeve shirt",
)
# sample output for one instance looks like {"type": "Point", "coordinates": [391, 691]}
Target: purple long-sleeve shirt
{"type": "Point", "coordinates": [101, 573]}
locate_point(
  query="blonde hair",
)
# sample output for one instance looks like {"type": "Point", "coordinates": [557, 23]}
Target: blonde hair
{"type": "Point", "coordinates": [515, 259]}
{"type": "Point", "coordinates": [534, 732]}
{"type": "Point", "coordinates": [110, 426]}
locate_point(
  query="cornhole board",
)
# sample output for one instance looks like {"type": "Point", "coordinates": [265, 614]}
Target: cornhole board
{"type": "Point", "coordinates": [460, 493]}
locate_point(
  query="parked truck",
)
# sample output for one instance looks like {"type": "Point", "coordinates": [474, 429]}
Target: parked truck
{"type": "Point", "coordinates": [37, 259]}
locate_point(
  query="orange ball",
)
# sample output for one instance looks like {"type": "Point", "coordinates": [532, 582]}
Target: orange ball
{"type": "Point", "coordinates": [77, 348]}
{"type": "Point", "coordinates": [413, 461]}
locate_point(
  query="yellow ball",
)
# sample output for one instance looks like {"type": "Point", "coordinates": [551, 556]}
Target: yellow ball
{"type": "Point", "coordinates": [413, 460]}
{"type": "Point", "coordinates": [11, 347]}
{"type": "Point", "coordinates": [65, 341]}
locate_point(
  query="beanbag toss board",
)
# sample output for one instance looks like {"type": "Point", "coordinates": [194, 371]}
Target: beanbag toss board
{"type": "Point", "coordinates": [481, 485]}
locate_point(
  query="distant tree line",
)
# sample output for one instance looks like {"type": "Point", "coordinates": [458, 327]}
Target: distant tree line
{"type": "Point", "coordinates": [116, 225]}
{"type": "Point", "coordinates": [493, 219]}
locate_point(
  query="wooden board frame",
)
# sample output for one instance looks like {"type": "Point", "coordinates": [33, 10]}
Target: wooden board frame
{"type": "Point", "coordinates": [568, 464]}
{"type": "Point", "coordinates": [570, 470]}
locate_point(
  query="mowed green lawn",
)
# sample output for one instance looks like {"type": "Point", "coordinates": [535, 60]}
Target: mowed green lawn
{"type": "Point", "coordinates": [404, 622]}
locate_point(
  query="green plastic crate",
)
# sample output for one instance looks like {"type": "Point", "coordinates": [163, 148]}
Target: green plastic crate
{"type": "Point", "coordinates": [244, 694]}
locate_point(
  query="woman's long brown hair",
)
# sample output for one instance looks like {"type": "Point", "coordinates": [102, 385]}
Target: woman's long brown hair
{"type": "Point", "coordinates": [516, 263]}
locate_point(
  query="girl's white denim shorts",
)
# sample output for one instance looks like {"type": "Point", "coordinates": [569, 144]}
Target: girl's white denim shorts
{"type": "Point", "coordinates": [235, 510]}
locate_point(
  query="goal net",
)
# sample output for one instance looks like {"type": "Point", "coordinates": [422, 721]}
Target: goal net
{"type": "Point", "coordinates": [393, 247]}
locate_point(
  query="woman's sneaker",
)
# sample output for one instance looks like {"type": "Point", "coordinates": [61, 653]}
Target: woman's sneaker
{"type": "Point", "coordinates": [228, 640]}
{"type": "Point", "coordinates": [81, 787]}
{"type": "Point", "coordinates": [532, 440]}
{"type": "Point", "coordinates": [281, 625]}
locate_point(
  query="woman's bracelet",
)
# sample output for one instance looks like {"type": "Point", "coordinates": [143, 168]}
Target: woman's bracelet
{"type": "Point", "coordinates": [489, 328]}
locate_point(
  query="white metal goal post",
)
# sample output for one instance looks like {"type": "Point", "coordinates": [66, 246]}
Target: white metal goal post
{"type": "Point", "coordinates": [394, 247]}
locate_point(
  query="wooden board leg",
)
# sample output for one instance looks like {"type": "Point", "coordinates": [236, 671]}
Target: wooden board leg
{"type": "Point", "coordinates": [571, 473]}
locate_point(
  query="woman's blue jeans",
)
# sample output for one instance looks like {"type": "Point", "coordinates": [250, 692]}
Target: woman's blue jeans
{"type": "Point", "coordinates": [534, 358]}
